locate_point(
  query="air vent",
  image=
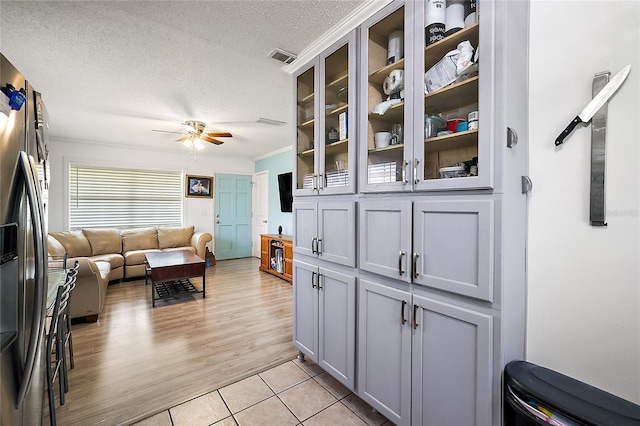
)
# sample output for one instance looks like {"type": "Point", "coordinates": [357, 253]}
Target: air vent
{"type": "Point", "coordinates": [282, 56]}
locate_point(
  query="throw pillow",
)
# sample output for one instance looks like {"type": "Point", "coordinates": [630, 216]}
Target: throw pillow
{"type": "Point", "coordinates": [103, 241]}
{"type": "Point", "coordinates": [139, 239]}
{"type": "Point", "coordinates": [175, 237]}
{"type": "Point", "coordinates": [74, 243]}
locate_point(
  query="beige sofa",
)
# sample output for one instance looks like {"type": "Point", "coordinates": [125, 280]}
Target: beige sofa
{"type": "Point", "coordinates": [110, 254]}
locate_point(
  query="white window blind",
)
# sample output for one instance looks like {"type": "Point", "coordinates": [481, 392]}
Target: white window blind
{"type": "Point", "coordinates": [102, 197]}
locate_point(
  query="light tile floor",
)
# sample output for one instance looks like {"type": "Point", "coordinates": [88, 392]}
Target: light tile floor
{"type": "Point", "coordinates": [293, 393]}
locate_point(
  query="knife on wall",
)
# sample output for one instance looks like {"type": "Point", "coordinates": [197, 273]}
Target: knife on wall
{"type": "Point", "coordinates": [596, 103]}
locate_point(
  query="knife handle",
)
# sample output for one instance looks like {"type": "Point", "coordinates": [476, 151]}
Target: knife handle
{"type": "Point", "coordinates": [568, 130]}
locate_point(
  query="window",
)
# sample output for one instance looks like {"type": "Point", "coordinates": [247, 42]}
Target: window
{"type": "Point", "coordinates": [104, 197]}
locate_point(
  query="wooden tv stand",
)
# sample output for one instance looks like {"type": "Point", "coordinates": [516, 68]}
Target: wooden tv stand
{"type": "Point", "coordinates": [279, 248]}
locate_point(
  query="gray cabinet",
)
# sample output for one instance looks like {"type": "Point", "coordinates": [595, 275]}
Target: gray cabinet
{"type": "Point", "coordinates": [452, 364]}
{"type": "Point", "coordinates": [305, 308]}
{"type": "Point", "coordinates": [446, 244]}
{"type": "Point", "coordinates": [435, 354]}
{"type": "Point", "coordinates": [440, 261]}
{"type": "Point", "coordinates": [325, 319]}
{"type": "Point", "coordinates": [384, 350]}
{"type": "Point", "coordinates": [325, 96]}
{"type": "Point", "coordinates": [453, 246]}
{"type": "Point", "coordinates": [385, 238]}
{"type": "Point", "coordinates": [325, 230]}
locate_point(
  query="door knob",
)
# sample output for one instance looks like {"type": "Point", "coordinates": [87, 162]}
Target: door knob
{"type": "Point", "coordinates": [217, 221]}
{"type": "Point", "coordinates": [264, 221]}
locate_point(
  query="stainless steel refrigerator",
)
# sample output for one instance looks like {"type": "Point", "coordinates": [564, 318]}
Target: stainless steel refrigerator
{"type": "Point", "coordinates": [23, 264]}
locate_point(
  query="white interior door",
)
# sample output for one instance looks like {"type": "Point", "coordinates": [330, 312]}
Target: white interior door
{"type": "Point", "coordinates": [260, 208]}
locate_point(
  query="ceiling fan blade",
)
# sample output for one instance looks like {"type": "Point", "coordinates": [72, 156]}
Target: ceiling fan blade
{"type": "Point", "coordinates": [211, 140]}
{"type": "Point", "coordinates": [219, 134]}
{"type": "Point", "coordinates": [167, 131]}
{"type": "Point", "coordinates": [184, 138]}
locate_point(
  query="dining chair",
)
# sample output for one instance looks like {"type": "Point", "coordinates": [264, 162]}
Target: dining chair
{"type": "Point", "coordinates": [56, 365]}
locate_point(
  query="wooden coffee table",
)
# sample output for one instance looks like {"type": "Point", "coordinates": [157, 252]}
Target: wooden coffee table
{"type": "Point", "coordinates": [169, 272]}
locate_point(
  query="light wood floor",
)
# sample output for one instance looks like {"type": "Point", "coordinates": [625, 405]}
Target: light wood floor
{"type": "Point", "coordinates": [137, 361]}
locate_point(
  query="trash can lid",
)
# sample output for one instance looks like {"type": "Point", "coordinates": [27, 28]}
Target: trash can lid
{"type": "Point", "coordinates": [570, 396]}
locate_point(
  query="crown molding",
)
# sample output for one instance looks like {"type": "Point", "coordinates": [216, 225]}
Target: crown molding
{"type": "Point", "coordinates": [271, 154]}
{"type": "Point", "coordinates": [351, 21]}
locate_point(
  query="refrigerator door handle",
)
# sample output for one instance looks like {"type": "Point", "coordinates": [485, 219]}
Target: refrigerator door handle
{"type": "Point", "coordinates": [25, 179]}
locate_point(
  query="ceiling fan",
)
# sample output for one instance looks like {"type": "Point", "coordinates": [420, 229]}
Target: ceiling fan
{"type": "Point", "coordinates": [195, 135]}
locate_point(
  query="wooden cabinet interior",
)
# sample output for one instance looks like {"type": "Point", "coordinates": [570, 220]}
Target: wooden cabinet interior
{"type": "Point", "coordinates": [378, 70]}
{"type": "Point", "coordinates": [336, 89]}
{"type": "Point", "coordinates": [280, 249]}
{"type": "Point", "coordinates": [305, 93]}
{"type": "Point", "coordinates": [455, 99]}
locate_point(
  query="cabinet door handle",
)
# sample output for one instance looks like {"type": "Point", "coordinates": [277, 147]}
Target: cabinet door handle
{"type": "Point", "coordinates": [404, 172]}
{"type": "Point", "coordinates": [319, 246]}
{"type": "Point", "coordinates": [318, 281]}
{"type": "Point", "coordinates": [404, 320]}
{"type": "Point", "coordinates": [313, 279]}
{"type": "Point", "coordinates": [415, 171]}
{"type": "Point", "coordinates": [313, 245]}
{"type": "Point", "coordinates": [400, 271]}
{"type": "Point", "coordinates": [320, 182]}
{"type": "Point", "coordinates": [415, 265]}
{"type": "Point", "coordinates": [415, 318]}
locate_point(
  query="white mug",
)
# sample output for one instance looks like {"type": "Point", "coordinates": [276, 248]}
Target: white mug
{"type": "Point", "coordinates": [382, 139]}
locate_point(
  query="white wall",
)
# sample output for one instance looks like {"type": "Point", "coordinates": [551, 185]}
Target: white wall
{"type": "Point", "coordinates": [197, 211]}
{"type": "Point", "coordinates": [583, 281]}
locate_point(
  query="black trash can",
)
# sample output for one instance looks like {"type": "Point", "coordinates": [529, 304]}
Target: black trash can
{"type": "Point", "coordinates": [535, 395]}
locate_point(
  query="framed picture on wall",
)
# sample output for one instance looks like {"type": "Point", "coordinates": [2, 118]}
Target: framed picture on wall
{"type": "Point", "coordinates": [199, 186]}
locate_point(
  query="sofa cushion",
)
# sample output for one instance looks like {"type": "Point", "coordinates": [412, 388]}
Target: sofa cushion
{"type": "Point", "coordinates": [116, 260]}
{"type": "Point", "coordinates": [139, 239]}
{"type": "Point", "coordinates": [103, 241]}
{"type": "Point", "coordinates": [136, 257]}
{"type": "Point", "coordinates": [174, 237]}
{"type": "Point", "coordinates": [55, 247]}
{"type": "Point", "coordinates": [187, 248]}
{"type": "Point", "coordinates": [74, 243]}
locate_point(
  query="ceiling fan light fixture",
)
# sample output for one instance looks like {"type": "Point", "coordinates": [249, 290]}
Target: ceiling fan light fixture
{"type": "Point", "coordinates": [197, 142]}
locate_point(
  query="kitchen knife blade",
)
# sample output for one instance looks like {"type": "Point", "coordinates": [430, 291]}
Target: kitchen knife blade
{"type": "Point", "coordinates": [596, 103]}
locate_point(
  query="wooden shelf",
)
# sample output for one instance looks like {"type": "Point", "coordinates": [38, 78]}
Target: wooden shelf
{"type": "Point", "coordinates": [330, 148]}
{"type": "Point", "coordinates": [307, 153]}
{"type": "Point", "coordinates": [339, 146]}
{"type": "Point", "coordinates": [464, 139]}
{"type": "Point", "coordinates": [269, 243]}
{"type": "Point", "coordinates": [307, 99]}
{"type": "Point", "coordinates": [436, 51]}
{"type": "Point", "coordinates": [387, 149]}
{"type": "Point", "coordinates": [340, 81]}
{"type": "Point", "coordinates": [307, 124]}
{"type": "Point", "coordinates": [395, 114]}
{"type": "Point", "coordinates": [339, 109]}
{"type": "Point", "coordinates": [453, 96]}
{"type": "Point", "coordinates": [378, 76]}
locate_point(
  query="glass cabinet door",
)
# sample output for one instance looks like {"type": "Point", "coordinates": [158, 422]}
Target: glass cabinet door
{"type": "Point", "coordinates": [338, 124]}
{"type": "Point", "coordinates": [385, 90]}
{"type": "Point", "coordinates": [448, 152]}
{"type": "Point", "coordinates": [305, 168]}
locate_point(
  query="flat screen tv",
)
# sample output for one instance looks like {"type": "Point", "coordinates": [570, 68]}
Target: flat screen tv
{"type": "Point", "coordinates": [285, 186]}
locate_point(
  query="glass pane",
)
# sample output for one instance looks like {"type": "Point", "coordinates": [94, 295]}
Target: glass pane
{"type": "Point", "coordinates": [336, 86]}
{"type": "Point", "coordinates": [385, 142]}
{"type": "Point", "coordinates": [305, 152]}
{"type": "Point", "coordinates": [451, 90]}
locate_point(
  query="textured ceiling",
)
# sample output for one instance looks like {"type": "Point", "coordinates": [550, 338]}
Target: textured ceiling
{"type": "Point", "coordinates": [111, 71]}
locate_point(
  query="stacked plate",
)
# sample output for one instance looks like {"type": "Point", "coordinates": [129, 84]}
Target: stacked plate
{"type": "Point", "coordinates": [307, 181]}
{"type": "Point", "coordinates": [383, 172]}
{"type": "Point", "coordinates": [337, 178]}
